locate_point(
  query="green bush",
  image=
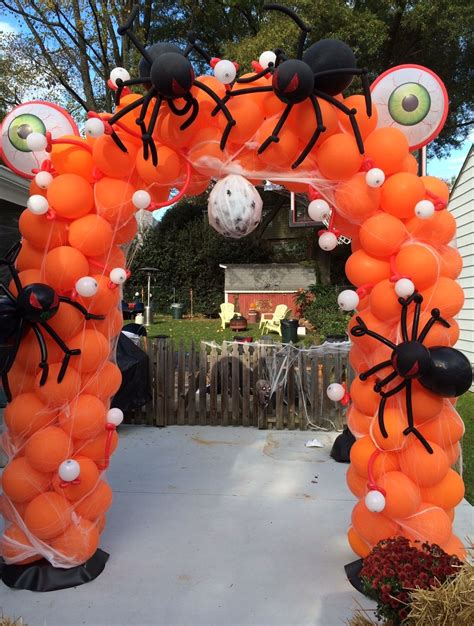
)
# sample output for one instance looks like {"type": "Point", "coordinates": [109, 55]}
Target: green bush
{"type": "Point", "coordinates": [318, 305]}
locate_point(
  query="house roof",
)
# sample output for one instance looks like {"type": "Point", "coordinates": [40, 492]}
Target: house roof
{"type": "Point", "coordinates": [285, 277]}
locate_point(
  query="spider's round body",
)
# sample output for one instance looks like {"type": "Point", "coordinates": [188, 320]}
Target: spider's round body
{"type": "Point", "coordinates": [411, 359]}
{"type": "Point", "coordinates": [171, 75]}
{"type": "Point", "coordinates": [293, 81]}
{"type": "Point", "coordinates": [328, 55]}
{"type": "Point", "coordinates": [37, 302]}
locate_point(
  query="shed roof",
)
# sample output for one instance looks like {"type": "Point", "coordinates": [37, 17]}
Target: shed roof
{"type": "Point", "coordinates": [285, 277]}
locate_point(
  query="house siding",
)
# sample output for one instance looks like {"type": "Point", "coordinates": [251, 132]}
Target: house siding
{"type": "Point", "coordinates": [265, 301]}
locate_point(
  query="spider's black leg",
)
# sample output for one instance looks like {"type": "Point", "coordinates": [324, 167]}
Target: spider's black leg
{"type": "Point", "coordinates": [411, 424]}
{"type": "Point", "coordinates": [9, 260]}
{"type": "Point", "coordinates": [192, 45]}
{"type": "Point", "coordinates": [83, 310]}
{"type": "Point", "coordinates": [418, 298]}
{"type": "Point", "coordinates": [148, 136]}
{"type": "Point", "coordinates": [7, 292]}
{"type": "Point", "coordinates": [176, 110]}
{"type": "Point", "coordinates": [140, 121]}
{"type": "Point", "coordinates": [361, 329]}
{"type": "Point", "coordinates": [116, 116]}
{"type": "Point", "coordinates": [194, 113]}
{"type": "Point", "coordinates": [381, 383]}
{"type": "Point", "coordinates": [128, 83]}
{"type": "Point", "coordinates": [126, 29]}
{"type": "Point", "coordinates": [298, 21]}
{"type": "Point", "coordinates": [68, 353]}
{"type": "Point", "coordinates": [250, 79]}
{"type": "Point", "coordinates": [355, 71]}
{"type": "Point", "coordinates": [223, 108]}
{"type": "Point", "coordinates": [385, 395]}
{"type": "Point", "coordinates": [351, 113]}
{"type": "Point", "coordinates": [44, 354]}
{"type": "Point", "coordinates": [374, 369]}
{"type": "Point", "coordinates": [435, 317]}
{"type": "Point", "coordinates": [320, 128]}
{"type": "Point", "coordinates": [273, 138]}
{"type": "Point", "coordinates": [403, 318]}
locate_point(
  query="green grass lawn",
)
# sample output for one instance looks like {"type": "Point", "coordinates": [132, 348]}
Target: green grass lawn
{"type": "Point", "coordinates": [465, 407]}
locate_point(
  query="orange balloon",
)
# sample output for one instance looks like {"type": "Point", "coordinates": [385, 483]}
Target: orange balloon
{"type": "Point", "coordinates": [384, 302]}
{"type": "Point", "coordinates": [205, 154]}
{"type": "Point", "coordinates": [96, 503]}
{"type": "Point", "coordinates": [409, 164]}
{"type": "Point", "coordinates": [111, 160]}
{"type": "Point", "coordinates": [94, 349]}
{"type": "Point", "coordinates": [71, 158]}
{"type": "Point", "coordinates": [198, 184]}
{"type": "Point", "coordinates": [425, 404]}
{"type": "Point", "coordinates": [450, 262]}
{"type": "Point", "coordinates": [55, 394]}
{"type": "Point", "coordinates": [402, 496]}
{"type": "Point", "coordinates": [88, 479]}
{"type": "Point", "coordinates": [382, 235]}
{"type": "Point", "coordinates": [27, 277]}
{"type": "Point", "coordinates": [70, 196]}
{"type": "Point", "coordinates": [48, 515]}
{"type": "Point", "coordinates": [84, 418]}
{"type": "Point", "coordinates": [68, 321]}
{"type": "Point", "coordinates": [206, 103]}
{"type": "Point", "coordinates": [114, 257]}
{"type": "Point", "coordinates": [101, 523]}
{"type": "Point", "coordinates": [436, 186]}
{"type": "Point", "coordinates": [127, 123]}
{"type": "Point", "coordinates": [445, 429]}
{"type": "Point", "coordinates": [453, 453]}
{"type": "Point", "coordinates": [355, 200]}
{"type": "Point", "coordinates": [362, 269]}
{"type": "Point", "coordinates": [358, 545]}
{"type": "Point", "coordinates": [47, 449]}
{"type": "Point", "coordinates": [360, 454]}
{"type": "Point", "coordinates": [423, 468]}
{"type": "Point", "coordinates": [438, 230]}
{"type": "Point", "coordinates": [388, 148]}
{"type": "Point", "coordinates": [429, 524]}
{"type": "Point", "coordinates": [42, 233]}
{"type": "Point", "coordinates": [14, 546]}
{"type": "Point", "coordinates": [110, 327]}
{"type": "Point", "coordinates": [105, 298]}
{"type": "Point", "coordinates": [78, 542]}
{"type": "Point", "coordinates": [20, 381]}
{"type": "Point", "coordinates": [395, 424]}
{"type": "Point", "coordinates": [400, 194]}
{"type": "Point", "coordinates": [91, 235]}
{"type": "Point", "coordinates": [104, 383]}
{"type": "Point", "coordinates": [338, 157]}
{"type": "Point", "coordinates": [384, 463]}
{"type": "Point", "coordinates": [26, 414]}
{"type": "Point", "coordinates": [278, 154]}
{"type": "Point", "coordinates": [438, 335]}
{"type": "Point", "coordinates": [168, 129]}
{"type": "Point", "coordinates": [29, 354]}
{"type": "Point", "coordinates": [29, 257]}
{"type": "Point", "coordinates": [455, 546]}
{"type": "Point", "coordinates": [95, 448]}
{"type": "Point", "coordinates": [364, 397]}
{"type": "Point", "coordinates": [358, 422]}
{"type": "Point", "coordinates": [446, 494]}
{"type": "Point", "coordinates": [356, 483]}
{"type": "Point", "coordinates": [113, 200]}
{"type": "Point", "coordinates": [167, 170]}
{"type": "Point", "coordinates": [366, 124]}
{"type": "Point", "coordinates": [248, 116]}
{"type": "Point", "coordinates": [446, 295]}
{"type": "Point", "coordinates": [302, 121]}
{"type": "Point", "coordinates": [63, 266]}
{"type": "Point", "coordinates": [21, 482]}
{"type": "Point", "coordinates": [419, 263]}
{"type": "Point", "coordinates": [126, 232]}
{"type": "Point", "coordinates": [372, 527]}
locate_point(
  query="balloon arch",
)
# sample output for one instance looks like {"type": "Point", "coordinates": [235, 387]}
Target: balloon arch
{"type": "Point", "coordinates": [285, 122]}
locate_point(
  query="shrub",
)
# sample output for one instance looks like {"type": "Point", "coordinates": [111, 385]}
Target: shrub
{"type": "Point", "coordinates": [318, 305]}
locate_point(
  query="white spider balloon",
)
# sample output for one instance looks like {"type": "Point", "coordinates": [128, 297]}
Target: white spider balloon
{"type": "Point", "coordinates": [234, 207]}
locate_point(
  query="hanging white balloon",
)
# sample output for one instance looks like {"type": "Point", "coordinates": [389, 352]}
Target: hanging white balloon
{"type": "Point", "coordinates": [234, 207]}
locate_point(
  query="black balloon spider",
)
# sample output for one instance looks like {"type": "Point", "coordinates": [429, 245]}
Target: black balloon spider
{"type": "Point", "coordinates": [442, 370]}
{"type": "Point", "coordinates": [167, 73]}
{"type": "Point", "coordinates": [34, 306]}
{"type": "Point", "coordinates": [324, 70]}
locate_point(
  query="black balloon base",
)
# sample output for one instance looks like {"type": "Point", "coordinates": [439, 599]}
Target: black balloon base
{"type": "Point", "coordinates": [353, 574]}
{"type": "Point", "coordinates": [42, 576]}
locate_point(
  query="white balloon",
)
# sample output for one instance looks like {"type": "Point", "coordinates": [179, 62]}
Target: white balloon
{"type": "Point", "coordinates": [327, 241]}
{"type": "Point", "coordinates": [375, 501]}
{"type": "Point", "coordinates": [375, 177]}
{"type": "Point", "coordinates": [43, 179]}
{"type": "Point", "coordinates": [404, 288]}
{"type": "Point", "coordinates": [69, 470]}
{"type": "Point", "coordinates": [87, 286]}
{"type": "Point", "coordinates": [225, 71]}
{"type": "Point", "coordinates": [119, 72]}
{"type": "Point", "coordinates": [348, 300]}
{"type": "Point", "coordinates": [141, 199]}
{"type": "Point", "coordinates": [118, 275]}
{"type": "Point", "coordinates": [36, 142]}
{"type": "Point", "coordinates": [424, 209]}
{"type": "Point", "coordinates": [234, 207]}
{"type": "Point", "coordinates": [37, 204]}
{"type": "Point", "coordinates": [94, 127]}
{"type": "Point", "coordinates": [114, 416]}
{"type": "Point", "coordinates": [335, 392]}
{"type": "Point", "coordinates": [266, 58]}
{"type": "Point", "coordinates": [318, 210]}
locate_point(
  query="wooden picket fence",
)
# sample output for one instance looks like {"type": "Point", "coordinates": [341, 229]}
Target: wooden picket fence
{"type": "Point", "coordinates": [213, 384]}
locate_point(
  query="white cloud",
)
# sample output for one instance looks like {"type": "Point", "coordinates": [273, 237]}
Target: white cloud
{"type": "Point", "coordinates": [6, 28]}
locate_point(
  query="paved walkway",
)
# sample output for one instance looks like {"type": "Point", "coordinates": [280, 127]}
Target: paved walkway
{"type": "Point", "coordinates": [217, 526]}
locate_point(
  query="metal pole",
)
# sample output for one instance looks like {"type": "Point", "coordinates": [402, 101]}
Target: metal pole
{"type": "Point", "coordinates": [149, 288]}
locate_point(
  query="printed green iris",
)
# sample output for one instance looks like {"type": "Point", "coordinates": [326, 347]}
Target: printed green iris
{"type": "Point", "coordinates": [409, 104]}
{"type": "Point", "coordinates": [21, 127]}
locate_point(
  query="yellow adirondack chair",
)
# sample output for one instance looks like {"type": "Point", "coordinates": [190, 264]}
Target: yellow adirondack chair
{"type": "Point", "coordinates": [272, 323]}
{"type": "Point", "coordinates": [227, 313]}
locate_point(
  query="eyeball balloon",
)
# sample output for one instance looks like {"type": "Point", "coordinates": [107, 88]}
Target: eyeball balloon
{"type": "Point", "coordinates": [404, 288]}
{"type": "Point", "coordinates": [69, 470]}
{"type": "Point", "coordinates": [348, 300]}
{"type": "Point", "coordinates": [118, 275]}
{"type": "Point", "coordinates": [141, 199]}
{"type": "Point", "coordinates": [94, 127]}
{"type": "Point", "coordinates": [375, 177]}
{"type": "Point", "coordinates": [424, 209]}
{"type": "Point", "coordinates": [119, 72]}
{"type": "Point", "coordinates": [318, 210]}
{"type": "Point", "coordinates": [266, 58]}
{"type": "Point", "coordinates": [375, 501]}
{"type": "Point", "coordinates": [115, 417]}
{"type": "Point", "coordinates": [43, 179]}
{"type": "Point", "coordinates": [37, 204]}
{"type": "Point", "coordinates": [335, 392]}
{"type": "Point", "coordinates": [234, 207]}
{"type": "Point", "coordinates": [87, 286]}
{"type": "Point", "coordinates": [225, 71]}
{"type": "Point", "coordinates": [327, 241]}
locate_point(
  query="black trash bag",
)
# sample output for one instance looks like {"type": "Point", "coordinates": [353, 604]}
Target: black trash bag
{"type": "Point", "coordinates": [135, 390]}
{"type": "Point", "coordinates": [341, 448]}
